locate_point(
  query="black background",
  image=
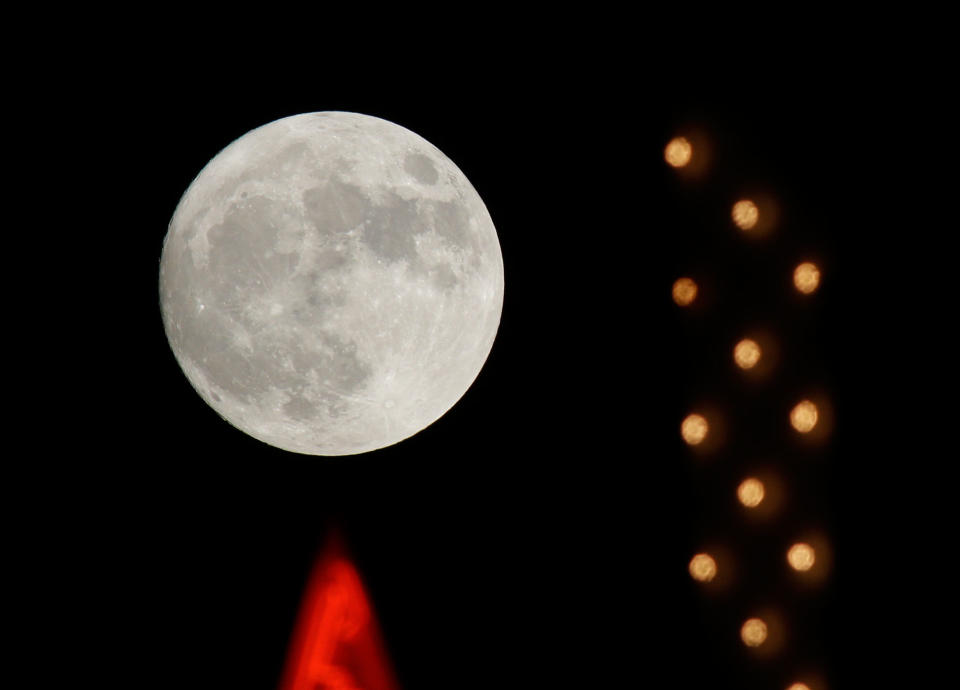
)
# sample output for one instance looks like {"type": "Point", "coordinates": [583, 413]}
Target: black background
{"type": "Point", "coordinates": [538, 534]}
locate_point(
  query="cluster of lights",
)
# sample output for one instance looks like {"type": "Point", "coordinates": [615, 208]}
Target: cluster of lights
{"type": "Point", "coordinates": [800, 556]}
{"type": "Point", "coordinates": [747, 354]}
{"type": "Point", "coordinates": [806, 279]}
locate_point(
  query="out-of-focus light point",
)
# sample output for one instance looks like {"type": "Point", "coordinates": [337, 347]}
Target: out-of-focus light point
{"type": "Point", "coordinates": [806, 277]}
{"type": "Point", "coordinates": [750, 492]}
{"type": "Point", "coordinates": [703, 568]}
{"type": "Point", "coordinates": [801, 557]}
{"type": "Point", "coordinates": [803, 417]}
{"type": "Point", "coordinates": [799, 686]}
{"type": "Point", "coordinates": [694, 429]}
{"type": "Point", "coordinates": [745, 214]}
{"type": "Point", "coordinates": [754, 632]}
{"type": "Point", "coordinates": [678, 152]}
{"type": "Point", "coordinates": [684, 291]}
{"type": "Point", "coordinates": [746, 354]}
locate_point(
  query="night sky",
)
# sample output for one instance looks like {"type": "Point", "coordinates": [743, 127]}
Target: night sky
{"type": "Point", "coordinates": [538, 534]}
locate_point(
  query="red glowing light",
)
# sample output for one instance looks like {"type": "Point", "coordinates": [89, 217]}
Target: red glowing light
{"type": "Point", "coordinates": [337, 644]}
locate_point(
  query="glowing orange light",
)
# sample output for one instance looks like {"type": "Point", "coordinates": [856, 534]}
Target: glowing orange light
{"type": "Point", "coordinates": [803, 417]}
{"type": "Point", "coordinates": [799, 686]}
{"type": "Point", "coordinates": [801, 557]}
{"type": "Point", "coordinates": [754, 632]}
{"type": "Point", "coordinates": [337, 643]}
{"type": "Point", "coordinates": [684, 291]}
{"type": "Point", "coordinates": [678, 152]}
{"type": "Point", "coordinates": [703, 568]}
{"type": "Point", "coordinates": [750, 492]}
{"type": "Point", "coordinates": [745, 214]}
{"type": "Point", "coordinates": [694, 429]}
{"type": "Point", "coordinates": [746, 354]}
{"type": "Point", "coordinates": [806, 277]}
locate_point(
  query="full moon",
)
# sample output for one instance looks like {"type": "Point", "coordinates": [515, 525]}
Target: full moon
{"type": "Point", "coordinates": [331, 283]}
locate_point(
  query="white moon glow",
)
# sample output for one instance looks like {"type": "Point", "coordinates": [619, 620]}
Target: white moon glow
{"type": "Point", "coordinates": [331, 283]}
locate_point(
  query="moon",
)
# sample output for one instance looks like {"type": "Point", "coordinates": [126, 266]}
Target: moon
{"type": "Point", "coordinates": [331, 283]}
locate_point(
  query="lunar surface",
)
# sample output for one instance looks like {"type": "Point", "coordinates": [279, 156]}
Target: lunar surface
{"type": "Point", "coordinates": [331, 283]}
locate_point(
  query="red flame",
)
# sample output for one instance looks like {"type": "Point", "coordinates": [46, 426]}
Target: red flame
{"type": "Point", "coordinates": [337, 644]}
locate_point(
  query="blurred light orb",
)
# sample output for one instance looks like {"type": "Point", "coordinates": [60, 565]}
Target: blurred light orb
{"type": "Point", "coordinates": [746, 353]}
{"type": "Point", "coordinates": [801, 557]}
{"type": "Point", "coordinates": [694, 429]}
{"type": "Point", "coordinates": [703, 568]}
{"type": "Point", "coordinates": [684, 291]}
{"type": "Point", "coordinates": [678, 152]}
{"type": "Point", "coordinates": [799, 686]}
{"type": "Point", "coordinates": [754, 632]}
{"type": "Point", "coordinates": [750, 492]}
{"type": "Point", "coordinates": [745, 214]}
{"type": "Point", "coordinates": [806, 277]}
{"type": "Point", "coordinates": [803, 417]}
